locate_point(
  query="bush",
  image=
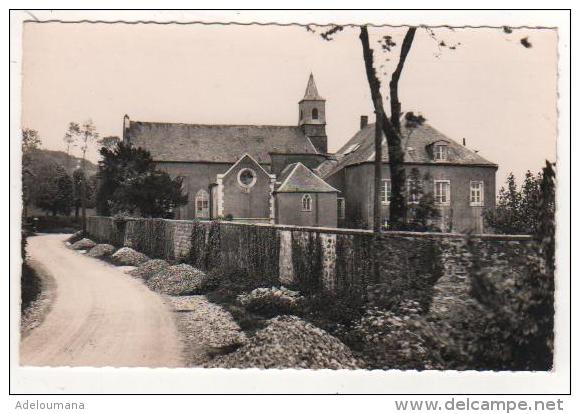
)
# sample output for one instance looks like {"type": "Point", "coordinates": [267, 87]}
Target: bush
{"type": "Point", "coordinates": [290, 342]}
{"type": "Point", "coordinates": [126, 256]}
{"type": "Point", "coordinates": [271, 301]}
{"type": "Point", "coordinates": [396, 339]}
{"type": "Point", "coordinates": [180, 280]}
{"type": "Point", "coordinates": [101, 250]}
{"type": "Point", "coordinates": [83, 244]}
{"type": "Point", "coordinates": [149, 269]}
{"type": "Point", "coordinates": [328, 310]}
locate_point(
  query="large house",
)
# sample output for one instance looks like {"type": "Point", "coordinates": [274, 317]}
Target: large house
{"type": "Point", "coordinates": [255, 173]}
{"type": "Point", "coordinates": [285, 175]}
{"type": "Point", "coordinates": [461, 181]}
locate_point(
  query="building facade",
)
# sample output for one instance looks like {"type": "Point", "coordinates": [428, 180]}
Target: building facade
{"type": "Point", "coordinates": [284, 174]}
{"type": "Point", "coordinates": [461, 182]}
{"type": "Point", "coordinates": [234, 171]}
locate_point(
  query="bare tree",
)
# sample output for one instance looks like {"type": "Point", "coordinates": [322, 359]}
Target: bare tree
{"type": "Point", "coordinates": [390, 126]}
{"type": "Point", "coordinates": [86, 134]}
{"type": "Point", "coordinates": [69, 140]}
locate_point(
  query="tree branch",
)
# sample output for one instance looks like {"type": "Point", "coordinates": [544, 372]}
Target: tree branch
{"type": "Point", "coordinates": [396, 76]}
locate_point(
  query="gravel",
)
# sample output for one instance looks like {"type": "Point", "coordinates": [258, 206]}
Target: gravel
{"type": "Point", "coordinates": [83, 244]}
{"type": "Point", "coordinates": [271, 301]}
{"type": "Point", "coordinates": [101, 250]}
{"type": "Point", "coordinates": [126, 256]}
{"type": "Point", "coordinates": [149, 269]}
{"type": "Point", "coordinates": [290, 342]}
{"type": "Point", "coordinates": [179, 280]}
{"type": "Point", "coordinates": [207, 329]}
{"type": "Point", "coordinates": [75, 237]}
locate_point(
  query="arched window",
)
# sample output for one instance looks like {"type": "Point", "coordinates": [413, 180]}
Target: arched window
{"type": "Point", "coordinates": [315, 113]}
{"type": "Point", "coordinates": [202, 204]}
{"type": "Point", "coordinates": [306, 202]}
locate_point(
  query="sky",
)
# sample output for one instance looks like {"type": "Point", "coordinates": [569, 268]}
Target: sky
{"type": "Point", "coordinates": [498, 95]}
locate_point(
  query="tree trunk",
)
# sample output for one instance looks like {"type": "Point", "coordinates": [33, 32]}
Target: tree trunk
{"type": "Point", "coordinates": [398, 205]}
{"type": "Point", "coordinates": [84, 197]}
{"type": "Point", "coordinates": [378, 164]}
{"type": "Point", "coordinates": [390, 127]}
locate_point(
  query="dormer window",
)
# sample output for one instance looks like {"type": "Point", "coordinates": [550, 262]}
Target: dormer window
{"type": "Point", "coordinates": [440, 152]}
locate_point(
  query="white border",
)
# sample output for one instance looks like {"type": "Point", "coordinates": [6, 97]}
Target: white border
{"type": "Point", "coordinates": [110, 380]}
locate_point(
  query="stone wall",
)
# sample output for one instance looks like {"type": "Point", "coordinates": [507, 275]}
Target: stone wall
{"type": "Point", "coordinates": [418, 266]}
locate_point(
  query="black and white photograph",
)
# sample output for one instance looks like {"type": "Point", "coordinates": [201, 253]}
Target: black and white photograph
{"type": "Point", "coordinates": [319, 194]}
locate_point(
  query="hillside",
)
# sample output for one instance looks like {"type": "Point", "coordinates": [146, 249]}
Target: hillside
{"type": "Point", "coordinates": [61, 158]}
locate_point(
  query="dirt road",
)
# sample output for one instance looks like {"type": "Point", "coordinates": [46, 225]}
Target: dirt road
{"type": "Point", "coordinates": [100, 316]}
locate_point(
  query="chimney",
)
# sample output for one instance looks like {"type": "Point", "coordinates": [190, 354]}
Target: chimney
{"type": "Point", "coordinates": [463, 141]}
{"type": "Point", "coordinates": [126, 126]}
{"type": "Point", "coordinates": [364, 121]}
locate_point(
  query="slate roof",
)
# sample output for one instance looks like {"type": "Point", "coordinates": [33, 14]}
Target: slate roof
{"type": "Point", "coordinates": [217, 143]}
{"type": "Point", "coordinates": [311, 93]}
{"type": "Point", "coordinates": [360, 148]}
{"type": "Point", "coordinates": [297, 178]}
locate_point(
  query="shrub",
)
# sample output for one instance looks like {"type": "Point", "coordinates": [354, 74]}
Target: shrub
{"type": "Point", "coordinates": [180, 280]}
{"type": "Point", "coordinates": [328, 310]}
{"type": "Point", "coordinates": [101, 250]}
{"type": "Point", "coordinates": [394, 339]}
{"type": "Point", "coordinates": [149, 269]}
{"type": "Point", "coordinates": [271, 301]}
{"type": "Point", "coordinates": [126, 256]}
{"type": "Point", "coordinates": [83, 244]}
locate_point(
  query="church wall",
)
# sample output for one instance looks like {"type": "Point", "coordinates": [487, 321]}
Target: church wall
{"type": "Point", "coordinates": [196, 176]}
{"type": "Point", "coordinates": [323, 214]}
{"type": "Point", "coordinates": [280, 161]}
{"type": "Point", "coordinates": [242, 203]}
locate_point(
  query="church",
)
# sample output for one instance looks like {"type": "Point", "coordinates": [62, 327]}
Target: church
{"type": "Point", "coordinates": [285, 174]}
{"type": "Point", "coordinates": [250, 173]}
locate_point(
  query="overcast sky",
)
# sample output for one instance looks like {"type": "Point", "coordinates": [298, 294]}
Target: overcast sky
{"type": "Point", "coordinates": [490, 90]}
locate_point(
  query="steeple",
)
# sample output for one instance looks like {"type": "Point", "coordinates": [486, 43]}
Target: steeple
{"type": "Point", "coordinates": [312, 116]}
{"type": "Point", "coordinates": [311, 93]}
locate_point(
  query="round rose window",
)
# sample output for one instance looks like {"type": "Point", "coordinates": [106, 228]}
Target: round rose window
{"type": "Point", "coordinates": [247, 177]}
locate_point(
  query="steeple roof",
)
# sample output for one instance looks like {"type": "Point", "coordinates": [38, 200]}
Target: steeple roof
{"type": "Point", "coordinates": [311, 93]}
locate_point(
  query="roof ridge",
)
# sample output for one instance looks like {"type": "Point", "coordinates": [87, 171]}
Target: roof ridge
{"type": "Point", "coordinates": [216, 125]}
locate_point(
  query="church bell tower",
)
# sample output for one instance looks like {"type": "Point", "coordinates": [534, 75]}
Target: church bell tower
{"type": "Point", "coordinates": [312, 116]}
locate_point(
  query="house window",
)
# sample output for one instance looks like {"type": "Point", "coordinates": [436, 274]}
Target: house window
{"type": "Point", "coordinates": [341, 206]}
{"type": "Point", "coordinates": [247, 177]}
{"type": "Point", "coordinates": [440, 152]}
{"type": "Point", "coordinates": [306, 202]}
{"type": "Point", "coordinates": [315, 113]}
{"type": "Point", "coordinates": [202, 204]}
{"type": "Point", "coordinates": [413, 191]}
{"type": "Point", "coordinates": [476, 193]}
{"type": "Point", "coordinates": [386, 192]}
{"type": "Point", "coordinates": [442, 192]}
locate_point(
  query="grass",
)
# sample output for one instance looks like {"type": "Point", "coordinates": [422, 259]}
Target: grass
{"type": "Point", "coordinates": [31, 286]}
